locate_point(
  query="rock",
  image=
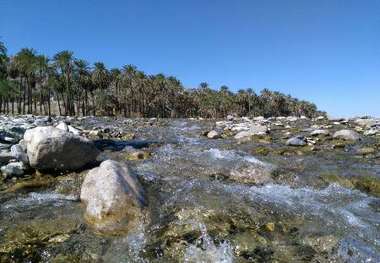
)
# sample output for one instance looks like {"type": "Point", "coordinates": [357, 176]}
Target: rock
{"type": "Point", "coordinates": [49, 148]}
{"type": "Point", "coordinates": [113, 197]}
{"type": "Point", "coordinates": [5, 157]}
{"type": "Point", "coordinates": [292, 118]}
{"type": "Point", "coordinates": [365, 151]}
{"type": "Point", "coordinates": [366, 122]}
{"type": "Point", "coordinates": [62, 126]}
{"type": "Point", "coordinates": [259, 118]}
{"type": "Point", "coordinates": [74, 130]}
{"type": "Point", "coordinates": [269, 227]}
{"type": "Point", "coordinates": [257, 172]}
{"type": "Point", "coordinates": [320, 132]}
{"type": "Point", "coordinates": [13, 169]}
{"type": "Point", "coordinates": [94, 133]}
{"type": "Point", "coordinates": [322, 243]}
{"type": "Point", "coordinates": [371, 132]}
{"type": "Point", "coordinates": [319, 118]}
{"type": "Point", "coordinates": [19, 153]}
{"type": "Point", "coordinates": [230, 117]}
{"type": "Point", "coordinates": [348, 135]}
{"type": "Point", "coordinates": [138, 155]}
{"type": "Point", "coordinates": [296, 141]}
{"type": "Point", "coordinates": [253, 130]}
{"type": "Point", "coordinates": [213, 134]}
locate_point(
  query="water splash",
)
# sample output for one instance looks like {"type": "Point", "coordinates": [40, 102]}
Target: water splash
{"type": "Point", "coordinates": [205, 251]}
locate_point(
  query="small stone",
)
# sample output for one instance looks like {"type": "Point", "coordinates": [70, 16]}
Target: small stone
{"type": "Point", "coordinates": [269, 227]}
{"type": "Point", "coordinates": [230, 117]}
{"type": "Point", "coordinates": [213, 134]}
{"type": "Point", "coordinates": [319, 132]}
{"type": "Point", "coordinates": [296, 141]}
{"type": "Point", "coordinates": [13, 169]}
{"type": "Point", "coordinates": [138, 155]}
{"type": "Point", "coordinates": [348, 135]}
{"type": "Point", "coordinates": [365, 151]}
{"type": "Point", "coordinates": [253, 130]}
{"type": "Point", "coordinates": [59, 238]}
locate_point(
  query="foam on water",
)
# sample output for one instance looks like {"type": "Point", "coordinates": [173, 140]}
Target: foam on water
{"type": "Point", "coordinates": [39, 198]}
{"type": "Point", "coordinates": [232, 155]}
{"type": "Point", "coordinates": [205, 251]}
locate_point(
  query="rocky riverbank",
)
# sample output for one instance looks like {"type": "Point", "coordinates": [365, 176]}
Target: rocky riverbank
{"type": "Point", "coordinates": [285, 189]}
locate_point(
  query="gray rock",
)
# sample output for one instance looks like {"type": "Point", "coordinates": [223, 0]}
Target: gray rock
{"type": "Point", "coordinates": [213, 134]}
{"type": "Point", "coordinates": [62, 126]}
{"type": "Point", "coordinates": [19, 153]}
{"type": "Point", "coordinates": [230, 117]}
{"type": "Point", "coordinates": [113, 197]}
{"type": "Point", "coordinates": [49, 148]}
{"type": "Point", "coordinates": [367, 122]}
{"type": "Point", "coordinates": [296, 141]}
{"type": "Point", "coordinates": [253, 130]}
{"type": "Point", "coordinates": [371, 132]}
{"type": "Point", "coordinates": [13, 169]}
{"type": "Point", "coordinates": [320, 132]}
{"type": "Point", "coordinates": [74, 130]}
{"type": "Point", "coordinates": [348, 135]}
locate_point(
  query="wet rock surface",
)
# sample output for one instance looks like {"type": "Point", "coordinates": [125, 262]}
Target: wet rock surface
{"type": "Point", "coordinates": [219, 198]}
{"type": "Point", "coordinates": [113, 197]}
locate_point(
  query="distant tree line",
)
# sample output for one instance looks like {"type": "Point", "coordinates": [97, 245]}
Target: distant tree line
{"type": "Point", "coordinates": [31, 83]}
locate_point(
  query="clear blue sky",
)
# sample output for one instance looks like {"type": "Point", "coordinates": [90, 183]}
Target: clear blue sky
{"type": "Point", "coordinates": [325, 51]}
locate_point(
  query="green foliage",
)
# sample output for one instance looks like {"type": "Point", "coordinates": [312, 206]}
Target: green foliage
{"type": "Point", "coordinates": [35, 82]}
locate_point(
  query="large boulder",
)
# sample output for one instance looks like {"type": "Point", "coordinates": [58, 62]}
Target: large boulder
{"type": "Point", "coordinates": [113, 197]}
{"type": "Point", "coordinates": [348, 135]}
{"type": "Point", "coordinates": [49, 148]}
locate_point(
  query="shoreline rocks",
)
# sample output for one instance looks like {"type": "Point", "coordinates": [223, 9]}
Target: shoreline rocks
{"type": "Point", "coordinates": [347, 135]}
{"type": "Point", "coordinates": [49, 148]}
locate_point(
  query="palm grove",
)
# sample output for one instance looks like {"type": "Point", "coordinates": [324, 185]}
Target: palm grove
{"type": "Point", "coordinates": [31, 83]}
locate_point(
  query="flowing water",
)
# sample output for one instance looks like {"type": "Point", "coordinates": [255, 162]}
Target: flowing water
{"type": "Point", "coordinates": [202, 209]}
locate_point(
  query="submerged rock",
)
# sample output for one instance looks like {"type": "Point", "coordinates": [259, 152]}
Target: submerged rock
{"type": "Point", "coordinates": [13, 169]}
{"type": "Point", "coordinates": [113, 197]}
{"type": "Point", "coordinates": [348, 135]}
{"type": "Point", "coordinates": [49, 148]}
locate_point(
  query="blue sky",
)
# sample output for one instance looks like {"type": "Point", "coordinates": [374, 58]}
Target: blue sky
{"type": "Point", "coordinates": [325, 51]}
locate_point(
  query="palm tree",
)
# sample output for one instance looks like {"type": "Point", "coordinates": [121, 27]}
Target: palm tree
{"type": "Point", "coordinates": [101, 79]}
{"type": "Point", "coordinates": [64, 64]}
{"type": "Point", "coordinates": [85, 85]}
